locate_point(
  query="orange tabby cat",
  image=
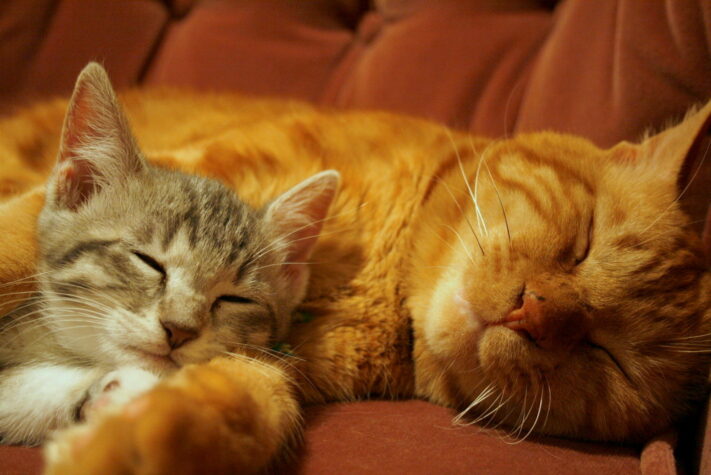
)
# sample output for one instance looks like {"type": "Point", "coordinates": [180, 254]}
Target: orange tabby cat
{"type": "Point", "coordinates": [538, 281]}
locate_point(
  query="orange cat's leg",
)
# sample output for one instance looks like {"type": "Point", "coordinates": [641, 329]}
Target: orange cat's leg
{"type": "Point", "coordinates": [227, 416]}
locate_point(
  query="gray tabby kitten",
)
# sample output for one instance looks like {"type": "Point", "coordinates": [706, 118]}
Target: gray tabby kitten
{"type": "Point", "coordinates": [142, 271]}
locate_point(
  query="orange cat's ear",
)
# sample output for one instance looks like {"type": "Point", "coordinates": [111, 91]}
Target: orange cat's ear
{"type": "Point", "coordinates": [679, 159]}
{"type": "Point", "coordinates": [672, 155]}
{"type": "Point", "coordinates": [676, 152]}
{"type": "Point", "coordinates": [97, 146]}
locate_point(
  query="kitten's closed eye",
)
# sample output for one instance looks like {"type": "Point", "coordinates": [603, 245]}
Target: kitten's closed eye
{"type": "Point", "coordinates": [150, 262]}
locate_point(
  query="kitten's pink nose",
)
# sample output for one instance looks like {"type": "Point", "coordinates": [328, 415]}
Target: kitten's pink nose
{"type": "Point", "coordinates": [177, 336]}
{"type": "Point", "coordinates": [554, 323]}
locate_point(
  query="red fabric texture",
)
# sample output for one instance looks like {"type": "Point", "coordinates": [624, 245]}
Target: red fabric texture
{"type": "Point", "coordinates": [414, 437]}
{"type": "Point", "coordinates": [607, 69]}
{"type": "Point", "coordinates": [20, 460]}
{"type": "Point", "coordinates": [658, 455]}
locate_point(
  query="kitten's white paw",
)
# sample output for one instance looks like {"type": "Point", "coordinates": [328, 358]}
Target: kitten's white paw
{"type": "Point", "coordinates": [117, 388]}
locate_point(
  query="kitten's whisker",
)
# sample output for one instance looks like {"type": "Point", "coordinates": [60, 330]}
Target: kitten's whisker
{"type": "Point", "coordinates": [78, 306]}
{"type": "Point", "coordinates": [90, 288]}
{"type": "Point", "coordinates": [55, 296]}
{"type": "Point", "coordinates": [24, 280]}
{"type": "Point", "coordinates": [91, 303]}
{"type": "Point", "coordinates": [276, 264]}
{"type": "Point", "coordinates": [268, 351]}
{"type": "Point", "coordinates": [264, 367]}
{"type": "Point", "coordinates": [276, 244]}
{"type": "Point", "coordinates": [283, 359]}
{"type": "Point", "coordinates": [279, 243]}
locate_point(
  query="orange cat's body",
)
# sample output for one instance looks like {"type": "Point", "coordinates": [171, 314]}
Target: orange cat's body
{"type": "Point", "coordinates": [532, 274]}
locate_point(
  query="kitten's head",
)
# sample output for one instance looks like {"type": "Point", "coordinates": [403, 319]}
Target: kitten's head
{"type": "Point", "coordinates": [576, 300]}
{"type": "Point", "coordinates": [155, 268]}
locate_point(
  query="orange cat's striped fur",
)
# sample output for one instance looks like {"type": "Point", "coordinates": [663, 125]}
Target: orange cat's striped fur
{"type": "Point", "coordinates": [553, 286]}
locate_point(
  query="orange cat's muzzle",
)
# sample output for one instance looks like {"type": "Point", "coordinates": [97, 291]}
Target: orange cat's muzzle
{"type": "Point", "coordinates": [552, 323]}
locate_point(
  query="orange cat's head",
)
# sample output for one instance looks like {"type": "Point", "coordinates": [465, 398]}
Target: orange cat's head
{"type": "Point", "coordinates": [573, 298]}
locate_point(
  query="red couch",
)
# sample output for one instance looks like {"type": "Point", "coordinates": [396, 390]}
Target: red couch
{"type": "Point", "coordinates": [605, 69]}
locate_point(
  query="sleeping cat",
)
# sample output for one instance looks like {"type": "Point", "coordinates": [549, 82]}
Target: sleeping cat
{"type": "Point", "coordinates": [141, 271]}
{"type": "Point", "coordinates": [536, 282]}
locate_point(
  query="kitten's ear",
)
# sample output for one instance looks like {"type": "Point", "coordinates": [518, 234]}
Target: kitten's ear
{"type": "Point", "coordinates": [97, 147]}
{"type": "Point", "coordinates": [299, 213]}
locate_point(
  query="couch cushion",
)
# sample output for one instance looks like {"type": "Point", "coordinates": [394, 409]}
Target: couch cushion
{"type": "Point", "coordinates": [119, 34]}
{"type": "Point", "coordinates": [414, 437]}
{"type": "Point", "coordinates": [640, 64]}
{"type": "Point", "coordinates": [270, 47]}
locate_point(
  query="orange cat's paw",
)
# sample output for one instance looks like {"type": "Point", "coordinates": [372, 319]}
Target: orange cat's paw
{"type": "Point", "coordinates": [162, 432]}
{"type": "Point", "coordinates": [206, 421]}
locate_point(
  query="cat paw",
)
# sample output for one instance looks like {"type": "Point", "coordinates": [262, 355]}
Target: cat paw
{"type": "Point", "coordinates": [198, 425]}
{"type": "Point", "coordinates": [115, 389]}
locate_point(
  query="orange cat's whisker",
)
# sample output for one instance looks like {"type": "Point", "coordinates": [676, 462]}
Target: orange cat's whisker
{"type": "Point", "coordinates": [481, 397]}
{"type": "Point", "coordinates": [535, 421]}
{"type": "Point", "coordinates": [501, 203]}
{"type": "Point", "coordinates": [550, 399]}
{"type": "Point", "coordinates": [466, 218]}
{"type": "Point", "coordinates": [502, 420]}
{"type": "Point", "coordinates": [493, 408]}
{"type": "Point", "coordinates": [692, 337]}
{"type": "Point", "coordinates": [472, 193]}
{"type": "Point", "coordinates": [461, 241]}
{"type": "Point", "coordinates": [524, 415]}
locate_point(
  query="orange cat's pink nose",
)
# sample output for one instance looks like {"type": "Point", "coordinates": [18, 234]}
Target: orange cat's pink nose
{"type": "Point", "coordinates": [552, 325]}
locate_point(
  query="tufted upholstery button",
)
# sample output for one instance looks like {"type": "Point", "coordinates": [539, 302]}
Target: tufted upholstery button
{"type": "Point", "coordinates": [180, 8]}
{"type": "Point", "coordinates": [369, 28]}
{"type": "Point", "coordinates": [399, 8]}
